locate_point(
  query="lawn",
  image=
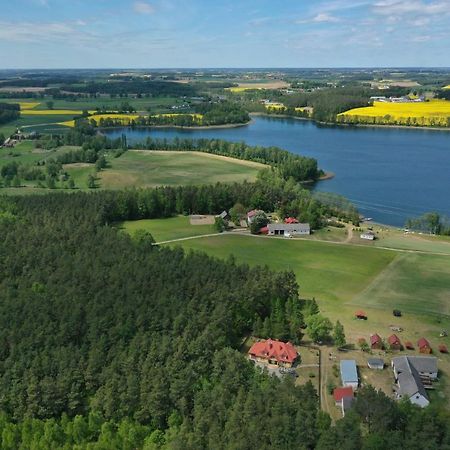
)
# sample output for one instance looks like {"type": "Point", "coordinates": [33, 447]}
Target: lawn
{"type": "Point", "coordinates": [330, 272]}
{"type": "Point", "coordinates": [149, 169]}
{"type": "Point", "coordinates": [167, 229]}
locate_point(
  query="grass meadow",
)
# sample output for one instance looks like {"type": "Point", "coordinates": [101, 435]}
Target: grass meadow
{"type": "Point", "coordinates": [153, 168]}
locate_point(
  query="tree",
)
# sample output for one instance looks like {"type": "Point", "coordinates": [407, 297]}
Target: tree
{"type": "Point", "coordinates": [100, 163]}
{"type": "Point", "coordinates": [91, 182]}
{"type": "Point", "coordinates": [49, 104]}
{"type": "Point", "coordinates": [259, 221]}
{"type": "Point", "coordinates": [2, 139]}
{"type": "Point", "coordinates": [220, 224]}
{"type": "Point", "coordinates": [319, 328]}
{"type": "Point", "coordinates": [71, 183]}
{"type": "Point", "coordinates": [16, 181]}
{"type": "Point", "coordinates": [339, 335]}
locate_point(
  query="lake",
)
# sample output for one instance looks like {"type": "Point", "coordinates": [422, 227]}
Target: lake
{"type": "Point", "coordinates": [390, 174]}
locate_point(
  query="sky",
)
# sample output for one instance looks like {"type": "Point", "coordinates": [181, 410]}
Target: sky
{"type": "Point", "coordinates": [219, 33]}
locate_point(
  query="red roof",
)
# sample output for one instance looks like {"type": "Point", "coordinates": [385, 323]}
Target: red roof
{"type": "Point", "coordinates": [252, 213]}
{"type": "Point", "coordinates": [375, 339]}
{"type": "Point", "coordinates": [290, 220]}
{"type": "Point", "coordinates": [270, 349]}
{"type": "Point", "coordinates": [264, 230]}
{"type": "Point", "coordinates": [394, 340]}
{"type": "Point", "coordinates": [360, 313]}
{"type": "Point", "coordinates": [341, 392]}
{"type": "Point", "coordinates": [423, 343]}
{"type": "Point", "coordinates": [443, 348]}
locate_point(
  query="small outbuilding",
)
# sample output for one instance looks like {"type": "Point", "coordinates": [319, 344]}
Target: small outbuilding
{"type": "Point", "coordinates": [394, 342]}
{"type": "Point", "coordinates": [349, 374]}
{"type": "Point", "coordinates": [424, 346]}
{"type": "Point", "coordinates": [409, 345]}
{"type": "Point", "coordinates": [361, 315]}
{"type": "Point", "coordinates": [376, 343]}
{"type": "Point", "coordinates": [368, 235]}
{"type": "Point", "coordinates": [397, 313]}
{"type": "Point", "coordinates": [443, 348]}
{"type": "Point", "coordinates": [375, 363]}
{"type": "Point", "coordinates": [290, 220]}
{"type": "Point", "coordinates": [342, 392]}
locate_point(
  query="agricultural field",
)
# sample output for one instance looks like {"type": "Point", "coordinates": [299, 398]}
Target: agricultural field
{"type": "Point", "coordinates": [167, 229]}
{"type": "Point", "coordinates": [430, 113]}
{"type": "Point", "coordinates": [344, 278]}
{"type": "Point", "coordinates": [125, 119]}
{"type": "Point", "coordinates": [246, 86]}
{"type": "Point", "coordinates": [142, 168]}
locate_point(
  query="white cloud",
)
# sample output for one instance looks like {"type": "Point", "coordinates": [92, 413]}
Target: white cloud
{"type": "Point", "coordinates": [320, 18]}
{"type": "Point", "coordinates": [409, 7]}
{"type": "Point", "coordinates": [143, 8]}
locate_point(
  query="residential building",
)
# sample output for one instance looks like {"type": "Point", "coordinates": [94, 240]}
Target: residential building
{"type": "Point", "coordinates": [424, 346]}
{"type": "Point", "coordinates": [349, 374]}
{"type": "Point", "coordinates": [411, 374]}
{"type": "Point", "coordinates": [394, 342]}
{"type": "Point", "coordinates": [286, 229]}
{"type": "Point", "coordinates": [273, 352]}
{"type": "Point", "coordinates": [376, 342]}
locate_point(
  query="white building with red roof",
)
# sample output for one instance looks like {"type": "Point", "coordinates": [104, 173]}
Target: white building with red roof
{"type": "Point", "coordinates": [273, 352]}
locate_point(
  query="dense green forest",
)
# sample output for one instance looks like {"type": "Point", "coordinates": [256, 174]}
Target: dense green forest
{"type": "Point", "coordinates": [9, 112]}
{"type": "Point", "coordinates": [109, 342]}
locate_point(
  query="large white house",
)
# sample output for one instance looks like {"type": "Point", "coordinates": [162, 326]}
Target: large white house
{"type": "Point", "coordinates": [286, 229]}
{"type": "Point", "coordinates": [411, 372]}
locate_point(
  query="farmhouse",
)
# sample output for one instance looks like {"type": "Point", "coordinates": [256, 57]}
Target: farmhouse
{"type": "Point", "coordinates": [375, 363]}
{"type": "Point", "coordinates": [394, 342]}
{"type": "Point", "coordinates": [290, 220]}
{"type": "Point", "coordinates": [424, 346]}
{"type": "Point", "coordinates": [287, 229]}
{"type": "Point", "coordinates": [376, 342]}
{"type": "Point", "coordinates": [273, 352]}
{"type": "Point", "coordinates": [343, 398]}
{"type": "Point", "coordinates": [368, 235]}
{"type": "Point", "coordinates": [349, 374]}
{"type": "Point", "coordinates": [411, 373]}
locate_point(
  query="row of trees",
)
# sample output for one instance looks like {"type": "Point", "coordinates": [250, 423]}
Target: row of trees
{"type": "Point", "coordinates": [431, 222]}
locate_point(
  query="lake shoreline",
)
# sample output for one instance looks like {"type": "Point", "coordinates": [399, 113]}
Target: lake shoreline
{"type": "Point", "coordinates": [181, 127]}
{"type": "Point", "coordinates": [351, 125]}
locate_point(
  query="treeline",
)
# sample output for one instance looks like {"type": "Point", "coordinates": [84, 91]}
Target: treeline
{"type": "Point", "coordinates": [290, 165]}
{"type": "Point", "coordinates": [216, 113]}
{"type": "Point", "coordinates": [9, 112]}
{"type": "Point", "coordinates": [155, 88]}
{"type": "Point", "coordinates": [432, 223]}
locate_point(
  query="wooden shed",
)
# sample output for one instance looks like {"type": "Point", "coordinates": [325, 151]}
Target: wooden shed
{"type": "Point", "coordinates": [424, 346]}
{"type": "Point", "coordinates": [376, 342]}
{"type": "Point", "coordinates": [394, 342]}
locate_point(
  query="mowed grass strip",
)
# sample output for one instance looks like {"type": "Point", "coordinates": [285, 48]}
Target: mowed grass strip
{"type": "Point", "coordinates": [152, 168]}
{"type": "Point", "coordinates": [330, 272]}
{"type": "Point", "coordinates": [413, 282]}
{"type": "Point", "coordinates": [167, 229]}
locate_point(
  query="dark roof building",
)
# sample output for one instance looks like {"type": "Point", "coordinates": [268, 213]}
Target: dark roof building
{"type": "Point", "coordinates": [375, 363]}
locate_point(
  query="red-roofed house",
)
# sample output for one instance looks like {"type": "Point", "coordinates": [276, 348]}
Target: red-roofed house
{"type": "Point", "coordinates": [361, 315]}
{"type": "Point", "coordinates": [273, 352]}
{"type": "Point", "coordinates": [394, 342]}
{"type": "Point", "coordinates": [290, 220]}
{"type": "Point", "coordinates": [424, 346]}
{"type": "Point", "coordinates": [251, 215]}
{"type": "Point", "coordinates": [341, 392]}
{"type": "Point", "coordinates": [376, 342]}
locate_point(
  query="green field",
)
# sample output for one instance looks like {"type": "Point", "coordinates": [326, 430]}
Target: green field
{"type": "Point", "coordinates": [149, 169]}
{"type": "Point", "coordinates": [166, 229]}
{"type": "Point", "coordinates": [329, 272]}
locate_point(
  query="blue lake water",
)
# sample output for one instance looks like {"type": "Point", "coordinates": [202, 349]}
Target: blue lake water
{"type": "Point", "coordinates": [390, 174]}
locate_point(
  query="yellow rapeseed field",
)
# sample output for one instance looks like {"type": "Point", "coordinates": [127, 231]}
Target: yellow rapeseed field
{"type": "Point", "coordinates": [124, 118]}
{"type": "Point", "coordinates": [195, 116]}
{"type": "Point", "coordinates": [446, 87]}
{"type": "Point", "coordinates": [275, 106]}
{"type": "Point", "coordinates": [432, 113]}
{"type": "Point", "coordinates": [28, 105]}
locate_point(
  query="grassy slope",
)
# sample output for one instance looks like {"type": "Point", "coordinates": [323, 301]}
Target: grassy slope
{"type": "Point", "coordinates": [165, 229]}
{"type": "Point", "coordinates": [147, 169]}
